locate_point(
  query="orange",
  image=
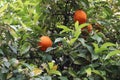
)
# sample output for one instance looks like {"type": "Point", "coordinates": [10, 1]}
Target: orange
{"type": "Point", "coordinates": [80, 16]}
{"type": "Point", "coordinates": [89, 27]}
{"type": "Point", "coordinates": [44, 43]}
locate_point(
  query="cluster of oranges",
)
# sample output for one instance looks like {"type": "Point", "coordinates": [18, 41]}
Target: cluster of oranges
{"type": "Point", "coordinates": [79, 16]}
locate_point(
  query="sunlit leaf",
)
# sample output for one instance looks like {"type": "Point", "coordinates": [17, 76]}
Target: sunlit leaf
{"type": "Point", "coordinates": [3, 8]}
{"type": "Point", "coordinates": [37, 71]}
{"type": "Point", "coordinates": [72, 40]}
{"type": "Point", "coordinates": [112, 53]}
{"type": "Point", "coordinates": [20, 2]}
{"type": "Point", "coordinates": [76, 25]}
{"type": "Point", "coordinates": [107, 44]}
{"type": "Point", "coordinates": [51, 64]}
{"type": "Point", "coordinates": [83, 25]}
{"type": "Point", "coordinates": [96, 47]}
{"type": "Point", "coordinates": [54, 72]}
{"type": "Point", "coordinates": [36, 17]}
{"type": "Point", "coordinates": [88, 71]}
{"type": "Point", "coordinates": [65, 28]}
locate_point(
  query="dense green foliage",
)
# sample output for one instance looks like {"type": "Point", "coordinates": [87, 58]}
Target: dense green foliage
{"type": "Point", "coordinates": [75, 55]}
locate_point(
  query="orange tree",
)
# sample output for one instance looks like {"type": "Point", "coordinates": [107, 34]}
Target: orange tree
{"type": "Point", "coordinates": [76, 51]}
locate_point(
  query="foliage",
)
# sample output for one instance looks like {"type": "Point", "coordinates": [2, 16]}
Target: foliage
{"type": "Point", "coordinates": [75, 54]}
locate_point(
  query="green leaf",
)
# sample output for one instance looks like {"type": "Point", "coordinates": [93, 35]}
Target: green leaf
{"type": "Point", "coordinates": [13, 33]}
{"type": "Point", "coordinates": [99, 73]}
{"type": "Point", "coordinates": [65, 28]}
{"type": "Point", "coordinates": [103, 47]}
{"type": "Point", "coordinates": [1, 52]}
{"type": "Point", "coordinates": [50, 49]}
{"type": "Point", "coordinates": [76, 79]}
{"type": "Point", "coordinates": [20, 3]}
{"type": "Point", "coordinates": [90, 49]}
{"type": "Point", "coordinates": [26, 65]}
{"type": "Point", "coordinates": [44, 78]}
{"type": "Point", "coordinates": [52, 72]}
{"type": "Point", "coordinates": [73, 40]}
{"type": "Point", "coordinates": [14, 49]}
{"type": "Point", "coordinates": [36, 17]}
{"type": "Point", "coordinates": [76, 25]}
{"type": "Point", "coordinates": [83, 25]}
{"type": "Point", "coordinates": [85, 45]}
{"type": "Point", "coordinates": [3, 76]}
{"type": "Point", "coordinates": [88, 71]}
{"type": "Point", "coordinates": [72, 73]}
{"type": "Point", "coordinates": [51, 64]}
{"type": "Point", "coordinates": [48, 57]}
{"type": "Point", "coordinates": [25, 48]}
{"type": "Point", "coordinates": [3, 8]}
{"type": "Point", "coordinates": [77, 32]}
{"type": "Point", "coordinates": [23, 25]}
{"type": "Point", "coordinates": [14, 7]}
{"type": "Point", "coordinates": [112, 53]}
{"type": "Point", "coordinates": [107, 44]}
{"type": "Point", "coordinates": [98, 38]}
{"type": "Point", "coordinates": [7, 64]}
{"type": "Point", "coordinates": [58, 40]}
{"type": "Point", "coordinates": [63, 78]}
{"type": "Point", "coordinates": [4, 70]}
{"type": "Point", "coordinates": [96, 47]}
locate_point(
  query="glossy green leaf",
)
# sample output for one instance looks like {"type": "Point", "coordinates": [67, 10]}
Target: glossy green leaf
{"type": "Point", "coordinates": [96, 37]}
{"type": "Point", "coordinates": [58, 40]}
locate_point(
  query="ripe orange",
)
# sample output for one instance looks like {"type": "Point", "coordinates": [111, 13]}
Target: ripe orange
{"type": "Point", "coordinates": [44, 43]}
{"type": "Point", "coordinates": [80, 16]}
{"type": "Point", "coordinates": [89, 27]}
